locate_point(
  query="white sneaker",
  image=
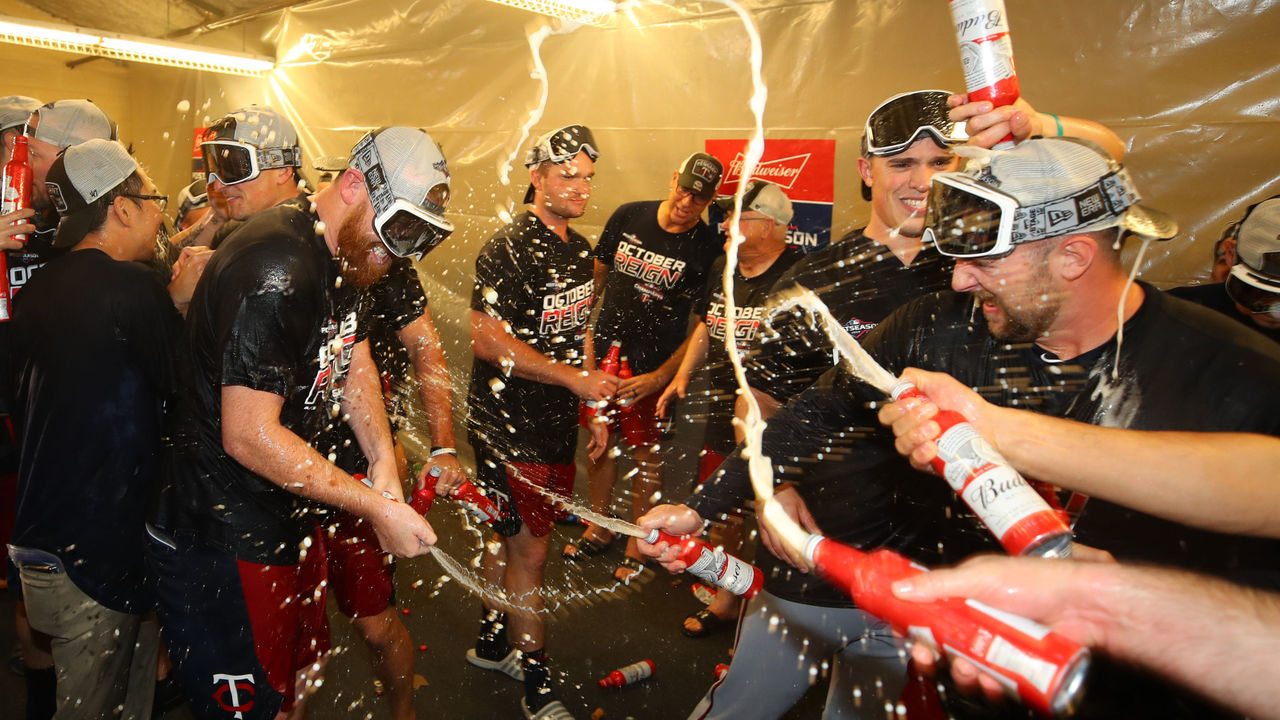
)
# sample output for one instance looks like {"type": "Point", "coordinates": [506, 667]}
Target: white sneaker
{"type": "Point", "coordinates": [554, 710]}
{"type": "Point", "coordinates": [509, 665]}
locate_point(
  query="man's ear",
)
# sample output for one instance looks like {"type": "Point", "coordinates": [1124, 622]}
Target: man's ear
{"type": "Point", "coordinates": [351, 186]}
{"type": "Point", "coordinates": [124, 210]}
{"type": "Point", "coordinates": [1074, 255]}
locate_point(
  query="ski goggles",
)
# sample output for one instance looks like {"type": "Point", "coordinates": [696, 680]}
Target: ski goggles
{"type": "Point", "coordinates": [559, 146]}
{"type": "Point", "coordinates": [902, 119]}
{"type": "Point", "coordinates": [965, 218]}
{"type": "Point", "coordinates": [407, 229]}
{"type": "Point", "coordinates": [1256, 293]}
{"type": "Point", "coordinates": [230, 162]}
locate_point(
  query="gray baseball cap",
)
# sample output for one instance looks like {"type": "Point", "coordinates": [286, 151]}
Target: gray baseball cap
{"type": "Point", "coordinates": [763, 197]}
{"type": "Point", "coordinates": [63, 123]}
{"type": "Point", "coordinates": [79, 176]}
{"type": "Point", "coordinates": [15, 109]}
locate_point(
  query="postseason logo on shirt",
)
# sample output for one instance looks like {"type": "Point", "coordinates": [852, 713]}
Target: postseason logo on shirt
{"type": "Point", "coordinates": [567, 310]}
{"type": "Point", "coordinates": [333, 358]}
{"type": "Point", "coordinates": [745, 326]}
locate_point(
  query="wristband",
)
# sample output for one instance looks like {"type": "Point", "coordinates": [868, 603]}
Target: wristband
{"type": "Point", "coordinates": [437, 451]}
{"type": "Point", "coordinates": [1057, 121]}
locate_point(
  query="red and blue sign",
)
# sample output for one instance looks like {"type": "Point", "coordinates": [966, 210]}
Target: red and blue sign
{"type": "Point", "coordinates": [804, 169]}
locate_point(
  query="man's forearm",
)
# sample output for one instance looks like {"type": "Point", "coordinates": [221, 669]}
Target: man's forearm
{"type": "Point", "coordinates": [364, 407]}
{"type": "Point", "coordinates": [432, 371]}
{"type": "Point", "coordinates": [492, 343]}
{"type": "Point", "coordinates": [1216, 481]}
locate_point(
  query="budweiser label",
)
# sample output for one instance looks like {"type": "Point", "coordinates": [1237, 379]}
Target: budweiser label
{"type": "Point", "coordinates": [986, 53]}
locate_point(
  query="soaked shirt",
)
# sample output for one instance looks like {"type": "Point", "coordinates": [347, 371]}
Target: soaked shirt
{"type": "Point", "coordinates": [389, 306]}
{"type": "Point", "coordinates": [23, 265]}
{"type": "Point", "coordinates": [94, 341]}
{"type": "Point", "coordinates": [268, 314]}
{"type": "Point", "coordinates": [542, 287]}
{"type": "Point", "coordinates": [750, 297]}
{"type": "Point", "coordinates": [654, 278]}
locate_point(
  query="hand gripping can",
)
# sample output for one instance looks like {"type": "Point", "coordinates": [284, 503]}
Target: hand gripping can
{"type": "Point", "coordinates": [713, 565]}
{"type": "Point", "coordinates": [1010, 508]}
{"type": "Point", "coordinates": [1045, 670]}
{"type": "Point", "coordinates": [481, 508]}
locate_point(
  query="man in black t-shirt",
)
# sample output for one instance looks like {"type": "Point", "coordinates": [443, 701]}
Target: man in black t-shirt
{"type": "Point", "coordinates": [529, 312]}
{"type": "Point", "coordinates": [272, 336]}
{"type": "Point", "coordinates": [1249, 289]}
{"type": "Point", "coordinates": [1049, 302]}
{"type": "Point", "coordinates": [94, 337]}
{"type": "Point", "coordinates": [651, 264]}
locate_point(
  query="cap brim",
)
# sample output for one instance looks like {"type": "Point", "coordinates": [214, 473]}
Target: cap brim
{"type": "Point", "coordinates": [708, 192]}
{"type": "Point", "coordinates": [72, 229]}
{"type": "Point", "coordinates": [528, 194]}
{"type": "Point", "coordinates": [1149, 223]}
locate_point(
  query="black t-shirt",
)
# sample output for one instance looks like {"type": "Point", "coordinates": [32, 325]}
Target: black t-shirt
{"type": "Point", "coordinates": [270, 314]}
{"type": "Point", "coordinates": [750, 298]}
{"type": "Point", "coordinates": [1183, 368]}
{"type": "Point", "coordinates": [654, 278]}
{"type": "Point", "coordinates": [23, 264]}
{"type": "Point", "coordinates": [94, 343]}
{"type": "Point", "coordinates": [389, 306]}
{"type": "Point", "coordinates": [860, 281]}
{"type": "Point", "coordinates": [1214, 296]}
{"type": "Point", "coordinates": [542, 287]}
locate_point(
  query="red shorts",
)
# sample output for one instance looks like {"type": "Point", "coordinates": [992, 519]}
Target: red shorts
{"type": "Point", "coordinates": [286, 605]}
{"type": "Point", "coordinates": [360, 574]}
{"type": "Point", "coordinates": [535, 509]}
{"type": "Point", "coordinates": [637, 425]}
{"type": "Point", "coordinates": [708, 463]}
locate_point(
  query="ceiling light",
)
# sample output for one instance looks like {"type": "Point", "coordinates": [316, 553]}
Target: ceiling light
{"type": "Point", "coordinates": [82, 41]}
{"type": "Point", "coordinates": [592, 12]}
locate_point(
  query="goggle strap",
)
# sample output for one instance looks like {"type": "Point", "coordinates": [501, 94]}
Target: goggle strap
{"type": "Point", "coordinates": [279, 157]}
{"type": "Point", "coordinates": [1110, 196]}
{"type": "Point", "coordinates": [365, 158]}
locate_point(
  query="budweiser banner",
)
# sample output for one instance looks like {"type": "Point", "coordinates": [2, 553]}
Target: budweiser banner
{"type": "Point", "coordinates": [197, 158]}
{"type": "Point", "coordinates": [805, 169]}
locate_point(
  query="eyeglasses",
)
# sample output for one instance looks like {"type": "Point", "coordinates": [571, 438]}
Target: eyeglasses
{"type": "Point", "coordinates": [161, 200]}
{"type": "Point", "coordinates": [899, 121]}
{"type": "Point", "coordinates": [230, 162]}
{"type": "Point", "coordinates": [559, 146]}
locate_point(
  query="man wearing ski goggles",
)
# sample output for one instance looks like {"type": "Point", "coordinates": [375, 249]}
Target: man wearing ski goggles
{"type": "Point", "coordinates": [251, 157]}
{"type": "Point", "coordinates": [408, 201]}
{"type": "Point", "coordinates": [1254, 281]}
{"type": "Point", "coordinates": [560, 146]}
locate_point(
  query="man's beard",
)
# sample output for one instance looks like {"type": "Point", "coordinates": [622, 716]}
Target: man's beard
{"type": "Point", "coordinates": [1032, 320]}
{"type": "Point", "coordinates": [354, 246]}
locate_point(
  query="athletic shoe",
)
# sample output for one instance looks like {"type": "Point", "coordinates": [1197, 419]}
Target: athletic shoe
{"type": "Point", "coordinates": [509, 665]}
{"type": "Point", "coordinates": [554, 710]}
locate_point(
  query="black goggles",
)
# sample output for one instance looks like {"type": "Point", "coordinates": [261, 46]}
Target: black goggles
{"type": "Point", "coordinates": [902, 119]}
{"type": "Point", "coordinates": [412, 230]}
{"type": "Point", "coordinates": [563, 145]}
{"type": "Point", "coordinates": [1255, 292]}
{"type": "Point", "coordinates": [230, 162]}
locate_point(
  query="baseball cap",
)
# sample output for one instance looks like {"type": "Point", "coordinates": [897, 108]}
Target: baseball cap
{"type": "Point", "coordinates": [15, 109]}
{"type": "Point", "coordinates": [80, 175]}
{"type": "Point", "coordinates": [1254, 281]}
{"type": "Point", "coordinates": [700, 173]}
{"type": "Point", "coordinates": [560, 146]}
{"type": "Point", "coordinates": [63, 123]}
{"type": "Point", "coordinates": [247, 141]}
{"type": "Point", "coordinates": [408, 182]}
{"type": "Point", "coordinates": [763, 197]}
{"type": "Point", "coordinates": [1039, 189]}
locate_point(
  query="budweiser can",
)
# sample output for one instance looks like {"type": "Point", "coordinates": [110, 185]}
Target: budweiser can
{"type": "Point", "coordinates": [481, 508]}
{"type": "Point", "coordinates": [635, 672]}
{"type": "Point", "coordinates": [424, 496]}
{"type": "Point", "coordinates": [1045, 670]}
{"type": "Point", "coordinates": [986, 52]}
{"type": "Point", "coordinates": [713, 565]}
{"type": "Point", "coordinates": [1010, 508]}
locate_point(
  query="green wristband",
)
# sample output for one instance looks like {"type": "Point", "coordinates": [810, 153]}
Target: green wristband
{"type": "Point", "coordinates": [1056, 121]}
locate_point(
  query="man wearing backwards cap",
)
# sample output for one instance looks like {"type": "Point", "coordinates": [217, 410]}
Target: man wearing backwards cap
{"type": "Point", "coordinates": [1250, 292]}
{"type": "Point", "coordinates": [90, 441]}
{"type": "Point", "coordinates": [650, 264]}
{"type": "Point", "coordinates": [272, 334]}
{"type": "Point", "coordinates": [529, 311]}
{"type": "Point", "coordinates": [1035, 232]}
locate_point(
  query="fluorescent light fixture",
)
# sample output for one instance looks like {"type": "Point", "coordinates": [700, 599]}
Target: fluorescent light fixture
{"type": "Point", "coordinates": [591, 12]}
{"type": "Point", "coordinates": [81, 41]}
